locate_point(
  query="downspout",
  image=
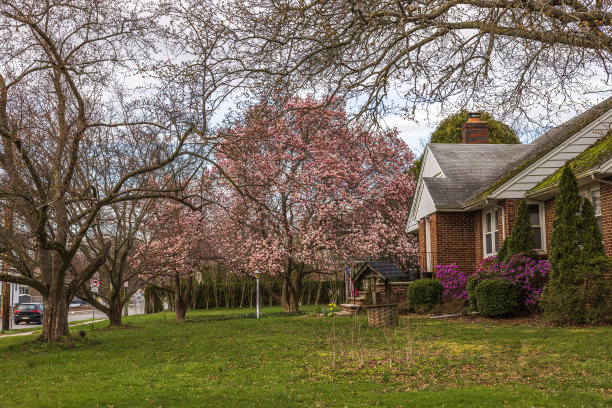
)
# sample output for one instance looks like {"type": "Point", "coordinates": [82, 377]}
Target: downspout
{"type": "Point", "coordinates": [600, 180]}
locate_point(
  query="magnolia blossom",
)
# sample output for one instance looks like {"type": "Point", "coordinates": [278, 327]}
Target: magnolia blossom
{"type": "Point", "coordinates": [312, 189]}
{"type": "Point", "coordinates": [309, 192]}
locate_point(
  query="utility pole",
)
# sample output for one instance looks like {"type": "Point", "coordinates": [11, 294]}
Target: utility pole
{"type": "Point", "coordinates": [6, 287]}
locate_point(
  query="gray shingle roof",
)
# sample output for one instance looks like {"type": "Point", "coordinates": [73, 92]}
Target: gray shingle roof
{"type": "Point", "coordinates": [386, 270]}
{"type": "Point", "coordinates": [549, 140]}
{"type": "Point", "coordinates": [473, 170]}
{"type": "Point", "coordinates": [469, 167]}
{"type": "Point", "coordinates": [559, 134]}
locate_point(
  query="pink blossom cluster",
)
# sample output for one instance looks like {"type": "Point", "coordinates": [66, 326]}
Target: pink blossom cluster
{"type": "Point", "coordinates": [453, 280]}
{"type": "Point", "coordinates": [308, 189]}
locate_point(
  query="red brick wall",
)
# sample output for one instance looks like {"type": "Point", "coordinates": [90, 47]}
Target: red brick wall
{"type": "Point", "coordinates": [478, 249]}
{"type": "Point", "coordinates": [453, 240]}
{"type": "Point", "coordinates": [457, 237]}
{"type": "Point", "coordinates": [549, 217]}
{"type": "Point", "coordinates": [475, 132]}
{"type": "Point", "coordinates": [510, 205]}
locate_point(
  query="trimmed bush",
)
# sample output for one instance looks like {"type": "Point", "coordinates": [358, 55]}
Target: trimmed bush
{"type": "Point", "coordinates": [528, 274]}
{"type": "Point", "coordinates": [498, 297]}
{"type": "Point", "coordinates": [424, 294]}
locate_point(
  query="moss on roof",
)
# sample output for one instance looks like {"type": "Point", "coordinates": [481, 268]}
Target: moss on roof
{"type": "Point", "coordinates": [548, 142]}
{"type": "Point", "coordinates": [594, 156]}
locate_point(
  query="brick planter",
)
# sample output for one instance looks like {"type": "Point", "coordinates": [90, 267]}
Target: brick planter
{"type": "Point", "coordinates": [350, 309]}
{"type": "Point", "coordinates": [382, 315]}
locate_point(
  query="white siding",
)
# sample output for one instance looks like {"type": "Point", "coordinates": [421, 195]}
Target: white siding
{"type": "Point", "coordinates": [555, 159]}
{"type": "Point", "coordinates": [425, 205]}
{"type": "Point", "coordinates": [430, 168]}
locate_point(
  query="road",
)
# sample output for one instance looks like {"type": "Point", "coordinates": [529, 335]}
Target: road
{"type": "Point", "coordinates": [84, 313]}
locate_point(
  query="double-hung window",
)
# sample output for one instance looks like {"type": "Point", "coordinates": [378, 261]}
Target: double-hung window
{"type": "Point", "coordinates": [491, 232]}
{"type": "Point", "coordinates": [593, 194]}
{"type": "Point", "coordinates": [596, 201]}
{"type": "Point", "coordinates": [535, 219]}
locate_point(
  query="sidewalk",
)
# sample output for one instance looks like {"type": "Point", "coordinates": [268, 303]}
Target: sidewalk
{"type": "Point", "coordinates": [27, 333]}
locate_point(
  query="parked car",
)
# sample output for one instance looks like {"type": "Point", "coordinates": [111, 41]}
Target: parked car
{"type": "Point", "coordinates": [77, 302]}
{"type": "Point", "coordinates": [29, 312]}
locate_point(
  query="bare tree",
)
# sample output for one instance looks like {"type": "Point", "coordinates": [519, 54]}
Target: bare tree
{"type": "Point", "coordinates": [121, 224]}
{"type": "Point", "coordinates": [520, 57]}
{"type": "Point", "coordinates": [79, 80]}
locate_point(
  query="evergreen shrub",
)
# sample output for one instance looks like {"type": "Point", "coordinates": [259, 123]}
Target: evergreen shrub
{"type": "Point", "coordinates": [521, 238]}
{"type": "Point", "coordinates": [577, 291]}
{"type": "Point", "coordinates": [424, 294]}
{"type": "Point", "coordinates": [498, 297]}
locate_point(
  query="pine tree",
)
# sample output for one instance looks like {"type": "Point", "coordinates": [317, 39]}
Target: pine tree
{"type": "Point", "coordinates": [577, 291]}
{"type": "Point", "coordinates": [521, 238]}
{"type": "Point", "coordinates": [565, 253]}
{"type": "Point", "coordinates": [590, 235]}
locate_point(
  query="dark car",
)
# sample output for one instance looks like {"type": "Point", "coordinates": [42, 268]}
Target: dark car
{"type": "Point", "coordinates": [29, 312]}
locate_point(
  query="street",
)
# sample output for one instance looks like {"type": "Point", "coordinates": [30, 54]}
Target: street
{"type": "Point", "coordinates": [84, 313]}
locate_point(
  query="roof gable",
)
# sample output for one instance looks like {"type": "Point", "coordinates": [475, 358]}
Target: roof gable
{"type": "Point", "coordinates": [469, 167]}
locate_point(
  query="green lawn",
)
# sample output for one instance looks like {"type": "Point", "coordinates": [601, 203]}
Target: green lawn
{"type": "Point", "coordinates": [220, 358]}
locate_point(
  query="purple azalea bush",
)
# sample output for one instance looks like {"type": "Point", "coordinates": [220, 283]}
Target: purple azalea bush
{"type": "Point", "coordinates": [529, 274]}
{"type": "Point", "coordinates": [453, 280]}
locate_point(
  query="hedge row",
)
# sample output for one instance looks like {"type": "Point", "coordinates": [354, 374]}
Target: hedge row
{"type": "Point", "coordinates": [240, 292]}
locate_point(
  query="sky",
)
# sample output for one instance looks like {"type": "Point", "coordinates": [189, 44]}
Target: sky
{"type": "Point", "coordinates": [414, 134]}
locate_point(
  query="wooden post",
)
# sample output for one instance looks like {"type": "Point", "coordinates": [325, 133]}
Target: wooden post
{"type": "Point", "coordinates": [388, 291]}
{"type": "Point", "coordinates": [373, 285]}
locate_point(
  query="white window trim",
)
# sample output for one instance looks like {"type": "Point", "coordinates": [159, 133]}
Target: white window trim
{"type": "Point", "coordinates": [485, 211]}
{"type": "Point", "coordinates": [542, 216]}
{"type": "Point", "coordinates": [428, 254]}
{"type": "Point", "coordinates": [588, 192]}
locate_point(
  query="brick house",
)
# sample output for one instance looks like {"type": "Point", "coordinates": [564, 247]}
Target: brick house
{"type": "Point", "coordinates": [467, 194]}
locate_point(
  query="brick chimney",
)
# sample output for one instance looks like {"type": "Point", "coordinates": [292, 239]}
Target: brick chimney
{"type": "Point", "coordinates": [475, 130]}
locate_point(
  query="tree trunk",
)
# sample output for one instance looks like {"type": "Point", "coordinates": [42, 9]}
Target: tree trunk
{"type": "Point", "coordinates": [114, 314]}
{"type": "Point", "coordinates": [55, 315]}
{"type": "Point", "coordinates": [290, 297]}
{"type": "Point", "coordinates": [181, 300]}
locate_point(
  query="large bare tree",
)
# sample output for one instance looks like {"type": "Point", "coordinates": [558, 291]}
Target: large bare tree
{"type": "Point", "coordinates": [79, 81]}
{"type": "Point", "coordinates": [520, 56]}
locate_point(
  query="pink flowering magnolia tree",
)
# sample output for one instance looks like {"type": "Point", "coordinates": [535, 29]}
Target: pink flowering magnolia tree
{"type": "Point", "coordinates": [308, 191]}
{"type": "Point", "coordinates": [173, 247]}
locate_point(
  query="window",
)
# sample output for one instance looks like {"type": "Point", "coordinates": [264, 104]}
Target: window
{"type": "Point", "coordinates": [491, 233]}
{"type": "Point", "coordinates": [593, 194]}
{"type": "Point", "coordinates": [596, 201]}
{"type": "Point", "coordinates": [535, 220]}
{"type": "Point", "coordinates": [428, 260]}
{"type": "Point", "coordinates": [23, 290]}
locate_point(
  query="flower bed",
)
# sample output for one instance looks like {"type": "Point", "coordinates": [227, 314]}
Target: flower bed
{"type": "Point", "coordinates": [454, 282]}
{"type": "Point", "coordinates": [528, 274]}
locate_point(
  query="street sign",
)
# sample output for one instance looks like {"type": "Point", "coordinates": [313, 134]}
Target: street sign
{"type": "Point", "coordinates": [94, 284]}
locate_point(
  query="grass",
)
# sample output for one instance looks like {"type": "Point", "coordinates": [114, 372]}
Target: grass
{"type": "Point", "coordinates": [223, 358]}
